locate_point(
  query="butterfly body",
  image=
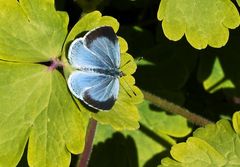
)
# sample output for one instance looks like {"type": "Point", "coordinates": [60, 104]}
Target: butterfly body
{"type": "Point", "coordinates": [111, 72]}
{"type": "Point", "coordinates": [96, 58]}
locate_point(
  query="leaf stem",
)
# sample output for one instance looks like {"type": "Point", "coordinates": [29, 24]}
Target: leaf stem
{"type": "Point", "coordinates": [55, 63]}
{"type": "Point", "coordinates": [175, 109]}
{"type": "Point", "coordinates": [85, 156]}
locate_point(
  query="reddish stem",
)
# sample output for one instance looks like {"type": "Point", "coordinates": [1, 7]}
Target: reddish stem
{"type": "Point", "coordinates": [85, 156]}
{"type": "Point", "coordinates": [175, 109]}
{"type": "Point", "coordinates": [55, 64]}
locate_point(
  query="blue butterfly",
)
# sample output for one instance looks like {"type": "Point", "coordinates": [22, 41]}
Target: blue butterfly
{"type": "Point", "coordinates": [96, 58]}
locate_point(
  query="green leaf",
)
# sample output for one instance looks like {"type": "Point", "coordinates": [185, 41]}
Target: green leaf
{"type": "Point", "coordinates": [124, 114]}
{"type": "Point", "coordinates": [89, 22]}
{"type": "Point", "coordinates": [31, 31]}
{"type": "Point", "coordinates": [236, 122]}
{"type": "Point", "coordinates": [214, 145]}
{"type": "Point", "coordinates": [162, 123]}
{"type": "Point", "coordinates": [148, 147]}
{"type": "Point", "coordinates": [130, 147]}
{"type": "Point", "coordinates": [150, 140]}
{"type": "Point", "coordinates": [238, 1]}
{"type": "Point", "coordinates": [195, 152]}
{"type": "Point", "coordinates": [123, 44]}
{"type": "Point", "coordinates": [37, 107]}
{"type": "Point", "coordinates": [203, 22]}
{"type": "Point", "coordinates": [217, 79]}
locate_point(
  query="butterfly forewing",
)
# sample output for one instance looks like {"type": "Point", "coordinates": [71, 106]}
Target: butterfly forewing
{"type": "Point", "coordinates": [104, 42]}
{"type": "Point", "coordinates": [81, 57]}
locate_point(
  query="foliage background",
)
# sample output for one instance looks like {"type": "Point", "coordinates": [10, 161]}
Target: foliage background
{"type": "Point", "coordinates": [173, 70]}
{"type": "Point", "coordinates": [204, 81]}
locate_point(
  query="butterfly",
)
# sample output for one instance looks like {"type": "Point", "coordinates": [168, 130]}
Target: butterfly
{"type": "Point", "coordinates": [96, 58]}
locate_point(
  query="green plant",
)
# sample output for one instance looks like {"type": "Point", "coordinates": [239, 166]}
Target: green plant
{"type": "Point", "coordinates": [183, 87]}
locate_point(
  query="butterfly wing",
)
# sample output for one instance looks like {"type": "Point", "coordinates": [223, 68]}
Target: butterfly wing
{"type": "Point", "coordinates": [81, 57]}
{"type": "Point", "coordinates": [103, 42]}
{"type": "Point", "coordinates": [97, 90]}
{"type": "Point", "coordinates": [99, 48]}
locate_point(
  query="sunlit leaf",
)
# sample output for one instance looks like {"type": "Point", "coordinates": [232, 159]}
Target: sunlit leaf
{"type": "Point", "coordinates": [236, 122]}
{"type": "Point", "coordinates": [162, 123]}
{"type": "Point", "coordinates": [31, 31]}
{"type": "Point", "coordinates": [203, 22]}
{"type": "Point", "coordinates": [214, 145]}
{"type": "Point", "coordinates": [216, 79]}
{"type": "Point", "coordinates": [37, 107]}
{"type": "Point", "coordinates": [123, 44]}
{"type": "Point", "coordinates": [238, 1]}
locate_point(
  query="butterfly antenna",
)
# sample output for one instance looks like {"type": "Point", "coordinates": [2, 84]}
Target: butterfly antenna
{"type": "Point", "coordinates": [139, 59]}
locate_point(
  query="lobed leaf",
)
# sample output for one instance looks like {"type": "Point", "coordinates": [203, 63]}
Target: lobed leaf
{"type": "Point", "coordinates": [31, 31]}
{"type": "Point", "coordinates": [214, 145]}
{"type": "Point", "coordinates": [37, 108]}
{"type": "Point", "coordinates": [203, 22]}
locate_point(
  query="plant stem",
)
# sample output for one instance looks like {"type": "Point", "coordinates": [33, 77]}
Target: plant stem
{"type": "Point", "coordinates": [55, 63]}
{"type": "Point", "coordinates": [173, 108]}
{"type": "Point", "coordinates": [85, 156]}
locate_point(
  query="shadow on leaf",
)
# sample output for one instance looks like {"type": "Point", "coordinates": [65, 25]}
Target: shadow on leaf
{"type": "Point", "coordinates": [118, 151]}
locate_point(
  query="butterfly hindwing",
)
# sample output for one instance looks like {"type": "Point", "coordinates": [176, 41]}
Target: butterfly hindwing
{"type": "Point", "coordinates": [79, 81]}
{"type": "Point", "coordinates": [97, 90]}
{"type": "Point", "coordinates": [103, 96]}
